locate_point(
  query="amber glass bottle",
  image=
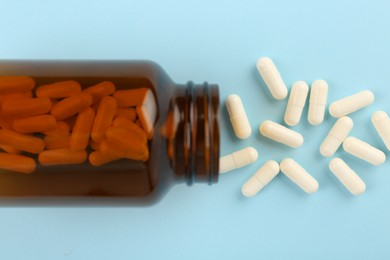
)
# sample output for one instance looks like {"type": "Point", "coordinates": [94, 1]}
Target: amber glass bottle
{"type": "Point", "coordinates": [184, 145]}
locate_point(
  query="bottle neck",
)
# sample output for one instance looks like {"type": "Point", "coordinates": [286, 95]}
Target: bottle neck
{"type": "Point", "coordinates": [195, 145]}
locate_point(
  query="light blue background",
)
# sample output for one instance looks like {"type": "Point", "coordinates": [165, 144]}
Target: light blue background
{"type": "Point", "coordinates": [345, 42]}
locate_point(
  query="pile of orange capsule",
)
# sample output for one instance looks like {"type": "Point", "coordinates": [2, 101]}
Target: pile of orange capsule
{"type": "Point", "coordinates": [62, 123]}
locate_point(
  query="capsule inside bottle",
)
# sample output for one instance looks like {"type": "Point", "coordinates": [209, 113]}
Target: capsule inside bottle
{"type": "Point", "coordinates": [67, 136]}
{"type": "Point", "coordinates": [103, 129]}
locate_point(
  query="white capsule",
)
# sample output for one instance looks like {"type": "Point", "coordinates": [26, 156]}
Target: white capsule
{"type": "Point", "coordinates": [336, 136]}
{"type": "Point", "coordinates": [298, 175]}
{"type": "Point", "coordinates": [317, 102]}
{"type": "Point", "coordinates": [381, 122]}
{"type": "Point", "coordinates": [237, 159]}
{"type": "Point", "coordinates": [364, 151]}
{"type": "Point", "coordinates": [296, 103]}
{"type": "Point", "coordinates": [281, 134]}
{"type": "Point", "coordinates": [347, 176]}
{"type": "Point", "coordinates": [272, 78]}
{"type": "Point", "coordinates": [350, 104]}
{"type": "Point", "coordinates": [260, 179]}
{"type": "Point", "coordinates": [238, 117]}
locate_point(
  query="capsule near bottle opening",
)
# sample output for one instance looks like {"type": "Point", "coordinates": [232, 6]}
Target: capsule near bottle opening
{"type": "Point", "coordinates": [114, 129]}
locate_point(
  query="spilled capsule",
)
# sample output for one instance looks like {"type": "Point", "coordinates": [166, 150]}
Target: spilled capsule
{"type": "Point", "coordinates": [237, 159]}
{"type": "Point", "coordinates": [281, 134]}
{"type": "Point", "coordinates": [272, 78]}
{"type": "Point", "coordinates": [238, 117]}
{"type": "Point", "coordinates": [347, 176]}
{"type": "Point", "coordinates": [298, 175]}
{"type": "Point", "coordinates": [350, 104]}
{"type": "Point", "coordinates": [260, 179]}
{"type": "Point", "coordinates": [381, 122]}
{"type": "Point", "coordinates": [296, 103]}
{"type": "Point", "coordinates": [317, 102]}
{"type": "Point", "coordinates": [363, 151]}
{"type": "Point", "coordinates": [336, 136]}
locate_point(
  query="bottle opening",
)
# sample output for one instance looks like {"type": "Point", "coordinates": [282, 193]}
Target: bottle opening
{"type": "Point", "coordinates": [197, 136]}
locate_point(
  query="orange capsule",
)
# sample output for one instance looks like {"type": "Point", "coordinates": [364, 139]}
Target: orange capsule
{"type": "Point", "coordinates": [10, 149]}
{"type": "Point", "coordinates": [62, 157]}
{"type": "Point", "coordinates": [133, 132]}
{"type": "Point", "coordinates": [34, 124]}
{"type": "Point", "coordinates": [130, 97]}
{"type": "Point", "coordinates": [109, 148]}
{"type": "Point", "coordinates": [100, 90]}
{"type": "Point", "coordinates": [124, 122]}
{"type": "Point", "coordinates": [129, 141]}
{"type": "Point", "coordinates": [128, 113]}
{"type": "Point", "coordinates": [103, 119]}
{"type": "Point", "coordinates": [61, 128]}
{"type": "Point", "coordinates": [71, 106]}
{"type": "Point", "coordinates": [82, 130]}
{"type": "Point", "coordinates": [59, 89]}
{"type": "Point", "coordinates": [15, 95]}
{"type": "Point", "coordinates": [17, 163]}
{"type": "Point", "coordinates": [22, 142]}
{"type": "Point", "coordinates": [16, 84]}
{"type": "Point", "coordinates": [25, 107]}
{"type": "Point", "coordinates": [97, 158]}
{"type": "Point", "coordinates": [121, 122]}
{"type": "Point", "coordinates": [56, 141]}
{"type": "Point", "coordinates": [135, 151]}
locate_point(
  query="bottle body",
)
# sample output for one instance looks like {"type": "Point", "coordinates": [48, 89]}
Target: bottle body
{"type": "Point", "coordinates": [185, 133]}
